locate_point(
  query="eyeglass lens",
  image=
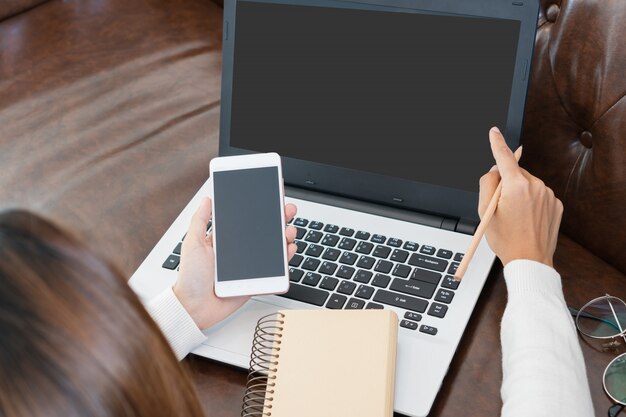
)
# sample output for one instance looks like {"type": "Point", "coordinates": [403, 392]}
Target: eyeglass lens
{"type": "Point", "coordinates": [615, 379]}
{"type": "Point", "coordinates": [604, 317]}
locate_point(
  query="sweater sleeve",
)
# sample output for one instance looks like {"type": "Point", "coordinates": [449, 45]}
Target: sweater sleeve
{"type": "Point", "coordinates": [543, 367]}
{"type": "Point", "coordinates": [179, 329]}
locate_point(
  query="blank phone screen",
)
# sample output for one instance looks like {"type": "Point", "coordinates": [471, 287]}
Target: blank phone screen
{"type": "Point", "coordinates": [248, 229]}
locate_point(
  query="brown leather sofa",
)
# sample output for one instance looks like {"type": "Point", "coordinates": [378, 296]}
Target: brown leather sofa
{"type": "Point", "coordinates": [109, 116]}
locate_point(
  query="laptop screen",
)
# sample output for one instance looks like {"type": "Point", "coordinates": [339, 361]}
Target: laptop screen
{"type": "Point", "coordinates": [404, 95]}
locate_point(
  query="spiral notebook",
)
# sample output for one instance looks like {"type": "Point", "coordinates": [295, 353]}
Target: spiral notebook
{"type": "Point", "coordinates": [330, 363]}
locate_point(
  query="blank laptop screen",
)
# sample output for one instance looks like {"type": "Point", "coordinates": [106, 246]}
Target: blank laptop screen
{"type": "Point", "coordinates": [406, 95]}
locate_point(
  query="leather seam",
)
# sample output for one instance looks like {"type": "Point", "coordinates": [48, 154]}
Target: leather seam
{"type": "Point", "coordinates": [571, 173]}
{"type": "Point", "coordinates": [607, 110]}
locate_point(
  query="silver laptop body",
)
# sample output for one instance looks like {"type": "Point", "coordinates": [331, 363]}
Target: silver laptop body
{"type": "Point", "coordinates": [419, 226]}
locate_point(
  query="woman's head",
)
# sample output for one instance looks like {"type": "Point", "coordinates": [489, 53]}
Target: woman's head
{"type": "Point", "coordinates": [74, 339]}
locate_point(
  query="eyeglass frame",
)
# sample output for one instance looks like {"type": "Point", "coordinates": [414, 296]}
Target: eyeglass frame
{"type": "Point", "coordinates": [616, 408]}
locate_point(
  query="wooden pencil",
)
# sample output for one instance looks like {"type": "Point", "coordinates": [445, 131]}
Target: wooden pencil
{"type": "Point", "coordinates": [482, 227]}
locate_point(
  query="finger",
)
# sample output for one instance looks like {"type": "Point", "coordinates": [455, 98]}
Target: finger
{"type": "Point", "coordinates": [292, 248]}
{"type": "Point", "coordinates": [290, 212]}
{"type": "Point", "coordinates": [488, 185]}
{"type": "Point", "coordinates": [290, 234]}
{"type": "Point", "coordinates": [199, 221]}
{"type": "Point", "coordinates": [507, 165]}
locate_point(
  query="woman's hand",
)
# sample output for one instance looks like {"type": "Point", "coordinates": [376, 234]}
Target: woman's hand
{"type": "Point", "coordinates": [526, 222]}
{"type": "Point", "coordinates": [194, 287]}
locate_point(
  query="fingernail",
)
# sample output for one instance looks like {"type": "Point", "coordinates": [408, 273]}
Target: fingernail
{"type": "Point", "coordinates": [493, 168]}
{"type": "Point", "coordinates": [495, 129]}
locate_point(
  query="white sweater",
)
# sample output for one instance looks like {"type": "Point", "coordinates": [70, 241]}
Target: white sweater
{"type": "Point", "coordinates": [543, 367]}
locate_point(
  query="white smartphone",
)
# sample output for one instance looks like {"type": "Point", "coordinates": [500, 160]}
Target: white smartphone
{"type": "Point", "coordinates": [249, 225]}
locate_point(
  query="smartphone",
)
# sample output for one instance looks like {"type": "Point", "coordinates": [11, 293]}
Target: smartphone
{"type": "Point", "coordinates": [249, 225]}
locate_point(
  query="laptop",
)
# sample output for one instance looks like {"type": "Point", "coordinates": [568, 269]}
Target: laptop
{"type": "Point", "coordinates": [380, 110]}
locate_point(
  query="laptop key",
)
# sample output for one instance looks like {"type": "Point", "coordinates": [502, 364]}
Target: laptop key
{"type": "Point", "coordinates": [374, 306]}
{"type": "Point", "coordinates": [381, 280]}
{"type": "Point", "coordinates": [427, 262]}
{"type": "Point", "coordinates": [311, 278]}
{"type": "Point", "coordinates": [296, 260]}
{"type": "Point", "coordinates": [301, 246]}
{"type": "Point", "coordinates": [383, 266]}
{"type": "Point", "coordinates": [346, 287]}
{"type": "Point", "coordinates": [401, 270]}
{"type": "Point", "coordinates": [316, 225]}
{"type": "Point", "coordinates": [428, 250]}
{"type": "Point", "coordinates": [381, 251]}
{"type": "Point", "coordinates": [408, 324]}
{"type": "Point", "coordinates": [336, 301]}
{"type": "Point", "coordinates": [363, 276]}
{"type": "Point", "coordinates": [364, 247]}
{"type": "Point", "coordinates": [378, 239]}
{"type": "Point", "coordinates": [348, 258]}
{"type": "Point", "coordinates": [399, 300]}
{"type": "Point", "coordinates": [306, 294]}
{"type": "Point", "coordinates": [366, 262]}
{"type": "Point", "coordinates": [409, 315]}
{"type": "Point", "coordinates": [300, 232]}
{"type": "Point", "coordinates": [346, 231]}
{"type": "Point", "coordinates": [450, 282]}
{"type": "Point", "coordinates": [355, 304]}
{"type": "Point", "coordinates": [362, 235]}
{"type": "Point", "coordinates": [437, 310]}
{"type": "Point", "coordinates": [329, 283]}
{"type": "Point", "coordinates": [364, 292]}
{"type": "Point", "coordinates": [330, 240]}
{"type": "Point", "coordinates": [412, 246]}
{"type": "Point", "coordinates": [453, 267]}
{"type": "Point", "coordinates": [314, 250]}
{"type": "Point", "coordinates": [313, 236]}
{"type": "Point", "coordinates": [345, 272]}
{"type": "Point", "coordinates": [458, 257]}
{"type": "Point", "coordinates": [347, 243]}
{"type": "Point", "coordinates": [399, 255]}
{"type": "Point", "coordinates": [178, 248]}
{"type": "Point", "coordinates": [396, 243]}
{"type": "Point", "coordinates": [444, 296]}
{"type": "Point", "coordinates": [331, 254]}
{"type": "Point", "coordinates": [171, 262]}
{"type": "Point", "coordinates": [426, 276]}
{"type": "Point", "coordinates": [310, 264]}
{"type": "Point", "coordinates": [412, 287]}
{"type": "Point", "coordinates": [428, 330]}
{"type": "Point", "coordinates": [300, 222]}
{"type": "Point", "coordinates": [328, 268]}
{"type": "Point", "coordinates": [331, 228]}
{"type": "Point", "coordinates": [295, 275]}
{"type": "Point", "coordinates": [443, 253]}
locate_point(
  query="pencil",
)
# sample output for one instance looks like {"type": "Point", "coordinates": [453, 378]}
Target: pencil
{"type": "Point", "coordinates": [482, 227]}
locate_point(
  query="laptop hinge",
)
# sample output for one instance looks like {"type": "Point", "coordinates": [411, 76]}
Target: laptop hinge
{"type": "Point", "coordinates": [412, 216]}
{"type": "Point", "coordinates": [466, 226]}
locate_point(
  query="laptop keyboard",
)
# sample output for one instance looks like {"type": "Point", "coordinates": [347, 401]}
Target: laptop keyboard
{"type": "Point", "coordinates": [340, 268]}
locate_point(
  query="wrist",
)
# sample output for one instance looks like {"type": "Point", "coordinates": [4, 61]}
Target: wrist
{"type": "Point", "coordinates": [192, 307]}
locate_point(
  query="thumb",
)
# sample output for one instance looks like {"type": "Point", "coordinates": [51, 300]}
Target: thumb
{"type": "Point", "coordinates": [200, 220]}
{"type": "Point", "coordinates": [488, 185]}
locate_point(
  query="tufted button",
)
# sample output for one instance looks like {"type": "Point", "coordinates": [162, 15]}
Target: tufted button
{"type": "Point", "coordinates": [552, 13]}
{"type": "Point", "coordinates": [585, 139]}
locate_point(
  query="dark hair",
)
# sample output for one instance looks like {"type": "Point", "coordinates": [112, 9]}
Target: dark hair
{"type": "Point", "coordinates": [74, 338]}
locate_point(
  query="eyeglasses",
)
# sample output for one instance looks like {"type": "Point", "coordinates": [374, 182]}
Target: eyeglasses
{"type": "Point", "coordinates": [604, 319]}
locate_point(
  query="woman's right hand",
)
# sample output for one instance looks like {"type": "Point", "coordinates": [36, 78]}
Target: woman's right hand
{"type": "Point", "coordinates": [526, 222]}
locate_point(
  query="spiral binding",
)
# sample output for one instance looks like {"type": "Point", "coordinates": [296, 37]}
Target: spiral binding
{"type": "Point", "coordinates": [257, 401]}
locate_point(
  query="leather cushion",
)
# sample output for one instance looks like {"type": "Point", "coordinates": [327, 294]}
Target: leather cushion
{"type": "Point", "coordinates": [575, 123]}
{"type": "Point", "coordinates": [110, 113]}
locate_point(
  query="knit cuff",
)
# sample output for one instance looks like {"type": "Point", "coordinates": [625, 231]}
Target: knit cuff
{"type": "Point", "coordinates": [525, 276]}
{"type": "Point", "coordinates": [179, 329]}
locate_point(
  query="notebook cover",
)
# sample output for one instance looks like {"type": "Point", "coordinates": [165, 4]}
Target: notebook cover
{"type": "Point", "coordinates": [335, 363]}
